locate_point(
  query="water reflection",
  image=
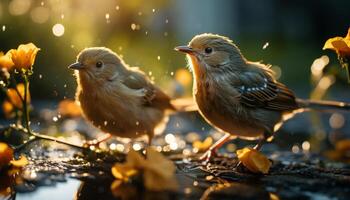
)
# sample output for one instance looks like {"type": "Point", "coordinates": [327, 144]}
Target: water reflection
{"type": "Point", "coordinates": [59, 191]}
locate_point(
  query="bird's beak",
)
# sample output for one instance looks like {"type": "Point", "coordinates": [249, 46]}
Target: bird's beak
{"type": "Point", "coordinates": [76, 66]}
{"type": "Point", "coordinates": [184, 49]}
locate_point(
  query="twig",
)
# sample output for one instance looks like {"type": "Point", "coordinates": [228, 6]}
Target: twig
{"type": "Point", "coordinates": [38, 136]}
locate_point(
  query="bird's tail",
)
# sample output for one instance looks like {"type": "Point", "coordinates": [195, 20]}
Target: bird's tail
{"type": "Point", "coordinates": [323, 105]}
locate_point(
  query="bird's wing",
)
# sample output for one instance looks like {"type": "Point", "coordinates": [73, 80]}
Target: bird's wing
{"type": "Point", "coordinates": [153, 96]}
{"type": "Point", "coordinates": [260, 90]}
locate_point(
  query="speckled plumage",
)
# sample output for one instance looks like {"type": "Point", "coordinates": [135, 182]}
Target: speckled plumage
{"type": "Point", "coordinates": [237, 96]}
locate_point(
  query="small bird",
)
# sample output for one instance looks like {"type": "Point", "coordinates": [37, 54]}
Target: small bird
{"type": "Point", "coordinates": [240, 97]}
{"type": "Point", "coordinates": [118, 99]}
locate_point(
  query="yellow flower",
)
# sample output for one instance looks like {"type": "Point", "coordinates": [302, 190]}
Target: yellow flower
{"type": "Point", "coordinates": [24, 56]}
{"type": "Point", "coordinates": [22, 161]}
{"type": "Point", "coordinates": [123, 171]}
{"type": "Point", "coordinates": [14, 98]}
{"type": "Point", "coordinates": [69, 108]}
{"type": "Point", "coordinates": [183, 76]}
{"type": "Point", "coordinates": [339, 44]}
{"type": "Point", "coordinates": [6, 157]}
{"type": "Point", "coordinates": [6, 154]}
{"type": "Point", "coordinates": [203, 146]}
{"type": "Point", "coordinates": [343, 145]}
{"type": "Point", "coordinates": [158, 172]}
{"type": "Point", "coordinates": [254, 160]}
{"type": "Point", "coordinates": [6, 61]}
{"type": "Point", "coordinates": [7, 108]}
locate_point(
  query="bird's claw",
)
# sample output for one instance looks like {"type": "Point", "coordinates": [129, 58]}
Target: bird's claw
{"type": "Point", "coordinates": [208, 156]}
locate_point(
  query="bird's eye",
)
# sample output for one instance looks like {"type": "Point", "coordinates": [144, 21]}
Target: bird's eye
{"type": "Point", "coordinates": [208, 50]}
{"type": "Point", "coordinates": [99, 64]}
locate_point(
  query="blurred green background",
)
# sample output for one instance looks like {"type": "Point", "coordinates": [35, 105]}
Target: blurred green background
{"type": "Point", "coordinates": [145, 33]}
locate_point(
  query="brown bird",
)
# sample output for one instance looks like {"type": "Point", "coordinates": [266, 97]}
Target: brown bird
{"type": "Point", "coordinates": [239, 97]}
{"type": "Point", "coordinates": [118, 99]}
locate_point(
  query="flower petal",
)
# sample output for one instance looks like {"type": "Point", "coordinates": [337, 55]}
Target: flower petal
{"type": "Point", "coordinates": [135, 159]}
{"type": "Point", "coordinates": [203, 146]}
{"type": "Point", "coordinates": [22, 161]}
{"type": "Point", "coordinates": [159, 173]}
{"type": "Point", "coordinates": [6, 154]}
{"type": "Point", "coordinates": [6, 61]}
{"type": "Point", "coordinates": [254, 160]}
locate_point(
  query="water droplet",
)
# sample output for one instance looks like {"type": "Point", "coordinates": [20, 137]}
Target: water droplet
{"type": "Point", "coordinates": [133, 27]}
{"type": "Point", "coordinates": [58, 30]}
{"type": "Point", "coordinates": [113, 146]}
{"type": "Point", "coordinates": [173, 146]}
{"type": "Point", "coordinates": [210, 177]}
{"type": "Point", "coordinates": [186, 152]}
{"type": "Point", "coordinates": [306, 146]}
{"type": "Point", "coordinates": [137, 147]}
{"type": "Point", "coordinates": [187, 190]}
{"type": "Point", "coordinates": [295, 149]}
{"type": "Point", "coordinates": [170, 138]}
{"type": "Point", "coordinates": [120, 147]}
{"type": "Point", "coordinates": [266, 45]}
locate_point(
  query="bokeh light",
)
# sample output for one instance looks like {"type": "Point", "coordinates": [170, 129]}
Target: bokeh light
{"type": "Point", "coordinates": [58, 30]}
{"type": "Point", "coordinates": [19, 7]}
{"type": "Point", "coordinates": [40, 15]}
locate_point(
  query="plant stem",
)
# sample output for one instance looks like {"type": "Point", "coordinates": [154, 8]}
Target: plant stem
{"type": "Point", "coordinates": [25, 104]}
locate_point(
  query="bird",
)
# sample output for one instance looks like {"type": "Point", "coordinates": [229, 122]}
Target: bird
{"type": "Point", "coordinates": [239, 97]}
{"type": "Point", "coordinates": [118, 99]}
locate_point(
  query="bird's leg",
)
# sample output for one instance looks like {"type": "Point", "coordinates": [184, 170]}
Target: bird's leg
{"type": "Point", "coordinates": [206, 157]}
{"type": "Point", "coordinates": [150, 137]}
{"type": "Point", "coordinates": [96, 142]}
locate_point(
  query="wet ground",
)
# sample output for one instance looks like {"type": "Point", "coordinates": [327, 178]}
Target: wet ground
{"type": "Point", "coordinates": [57, 171]}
